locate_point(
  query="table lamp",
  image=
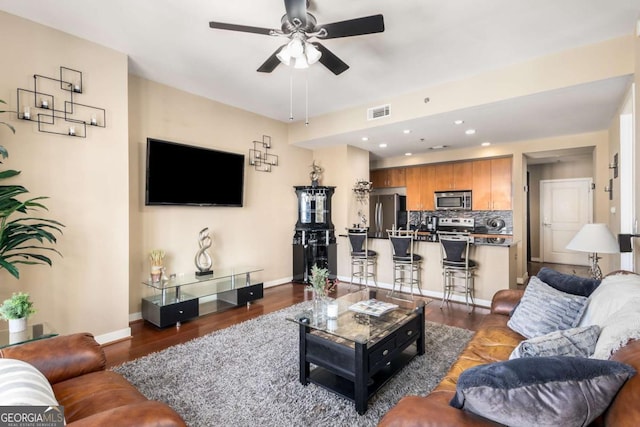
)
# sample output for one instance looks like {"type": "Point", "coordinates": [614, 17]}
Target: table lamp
{"type": "Point", "coordinates": [594, 238]}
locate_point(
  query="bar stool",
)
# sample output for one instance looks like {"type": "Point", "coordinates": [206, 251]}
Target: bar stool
{"type": "Point", "coordinates": [406, 263]}
{"type": "Point", "coordinates": [363, 259]}
{"type": "Point", "coordinates": [457, 265]}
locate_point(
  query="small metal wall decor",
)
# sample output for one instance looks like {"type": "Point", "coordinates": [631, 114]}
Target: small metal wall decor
{"type": "Point", "coordinates": [203, 259]}
{"type": "Point", "coordinates": [362, 189]}
{"type": "Point", "coordinates": [39, 105]}
{"type": "Point", "coordinates": [259, 155]}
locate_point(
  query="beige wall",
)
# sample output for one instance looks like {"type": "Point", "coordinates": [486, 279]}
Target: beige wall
{"type": "Point", "coordinates": [86, 179]}
{"type": "Point", "coordinates": [260, 233]}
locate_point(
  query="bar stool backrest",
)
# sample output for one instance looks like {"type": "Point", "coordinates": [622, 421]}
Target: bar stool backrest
{"type": "Point", "coordinates": [455, 248]}
{"type": "Point", "coordinates": [358, 241]}
{"type": "Point", "coordinates": [402, 243]}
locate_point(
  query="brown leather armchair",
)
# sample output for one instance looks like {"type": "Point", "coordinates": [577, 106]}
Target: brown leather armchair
{"type": "Point", "coordinates": [91, 395]}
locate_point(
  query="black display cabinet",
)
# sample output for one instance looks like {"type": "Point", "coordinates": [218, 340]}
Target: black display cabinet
{"type": "Point", "coordinates": [314, 241]}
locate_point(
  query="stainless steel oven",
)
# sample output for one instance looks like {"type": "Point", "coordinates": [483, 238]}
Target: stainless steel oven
{"type": "Point", "coordinates": [453, 200]}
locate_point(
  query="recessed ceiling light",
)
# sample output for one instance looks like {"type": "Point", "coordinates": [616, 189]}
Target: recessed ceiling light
{"type": "Point", "coordinates": [486, 144]}
{"type": "Point", "coordinates": [438, 147]}
{"type": "Point", "coordinates": [365, 138]}
{"type": "Point", "coordinates": [408, 154]}
{"type": "Point", "coordinates": [406, 131]}
{"type": "Point", "coordinates": [470, 131]}
{"type": "Point", "coordinates": [383, 145]}
{"type": "Point", "coordinates": [458, 122]}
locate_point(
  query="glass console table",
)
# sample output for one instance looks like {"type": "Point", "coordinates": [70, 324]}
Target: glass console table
{"type": "Point", "coordinates": [181, 296]}
{"type": "Point", "coordinates": [34, 331]}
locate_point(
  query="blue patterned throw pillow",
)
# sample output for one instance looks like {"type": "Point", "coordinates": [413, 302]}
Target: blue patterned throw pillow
{"type": "Point", "coordinates": [544, 309]}
{"type": "Point", "coordinates": [541, 391]}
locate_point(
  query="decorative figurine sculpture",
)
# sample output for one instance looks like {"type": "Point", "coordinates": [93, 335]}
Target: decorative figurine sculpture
{"type": "Point", "coordinates": [203, 259]}
{"type": "Point", "coordinates": [316, 171]}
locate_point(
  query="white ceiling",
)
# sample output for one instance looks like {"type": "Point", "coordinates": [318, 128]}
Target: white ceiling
{"type": "Point", "coordinates": [425, 42]}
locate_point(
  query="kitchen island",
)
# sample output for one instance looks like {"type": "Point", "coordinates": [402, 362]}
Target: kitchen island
{"type": "Point", "coordinates": [495, 256]}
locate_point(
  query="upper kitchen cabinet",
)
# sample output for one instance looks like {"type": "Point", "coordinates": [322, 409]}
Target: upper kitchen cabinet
{"type": "Point", "coordinates": [462, 175]}
{"type": "Point", "coordinates": [491, 184]}
{"type": "Point", "coordinates": [453, 176]}
{"type": "Point", "coordinates": [421, 183]}
{"type": "Point", "coordinates": [385, 178]}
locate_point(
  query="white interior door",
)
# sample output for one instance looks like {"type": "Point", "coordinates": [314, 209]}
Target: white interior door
{"type": "Point", "coordinates": [566, 205]}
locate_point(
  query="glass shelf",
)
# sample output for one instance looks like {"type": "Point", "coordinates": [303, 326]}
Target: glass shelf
{"type": "Point", "coordinates": [190, 278]}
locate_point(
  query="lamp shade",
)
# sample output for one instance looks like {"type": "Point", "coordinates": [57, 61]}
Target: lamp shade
{"type": "Point", "coordinates": [595, 238]}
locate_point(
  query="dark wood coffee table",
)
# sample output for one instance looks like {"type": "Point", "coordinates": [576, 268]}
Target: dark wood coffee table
{"type": "Point", "coordinates": [356, 354]}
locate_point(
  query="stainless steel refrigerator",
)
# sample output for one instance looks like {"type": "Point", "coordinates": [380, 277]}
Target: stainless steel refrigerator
{"type": "Point", "coordinates": [387, 211]}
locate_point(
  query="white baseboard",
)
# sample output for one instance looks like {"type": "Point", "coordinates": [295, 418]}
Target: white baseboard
{"type": "Point", "coordinates": [113, 336]}
{"type": "Point", "coordinates": [536, 259]}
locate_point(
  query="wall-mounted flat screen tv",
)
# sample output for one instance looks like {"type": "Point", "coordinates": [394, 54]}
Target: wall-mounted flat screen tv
{"type": "Point", "coordinates": [179, 174]}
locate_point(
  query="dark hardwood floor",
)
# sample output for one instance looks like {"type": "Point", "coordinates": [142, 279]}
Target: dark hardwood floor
{"type": "Point", "coordinates": [147, 338]}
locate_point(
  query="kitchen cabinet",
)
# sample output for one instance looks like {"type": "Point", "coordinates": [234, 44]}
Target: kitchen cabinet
{"type": "Point", "coordinates": [491, 184]}
{"type": "Point", "coordinates": [454, 176]}
{"type": "Point", "coordinates": [385, 178]}
{"type": "Point", "coordinates": [421, 183]}
{"type": "Point", "coordinates": [462, 175]}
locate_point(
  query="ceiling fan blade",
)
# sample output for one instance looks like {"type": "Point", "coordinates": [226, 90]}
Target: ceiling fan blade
{"type": "Point", "coordinates": [296, 9]}
{"type": "Point", "coordinates": [243, 28]}
{"type": "Point", "coordinates": [331, 61]}
{"type": "Point", "coordinates": [271, 63]}
{"type": "Point", "coordinates": [354, 27]}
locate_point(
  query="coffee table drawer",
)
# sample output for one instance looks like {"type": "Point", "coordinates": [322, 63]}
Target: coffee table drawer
{"type": "Point", "coordinates": [382, 353]}
{"type": "Point", "coordinates": [408, 332]}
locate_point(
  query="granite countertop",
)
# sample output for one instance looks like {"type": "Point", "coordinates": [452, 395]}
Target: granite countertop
{"type": "Point", "coordinates": [502, 239]}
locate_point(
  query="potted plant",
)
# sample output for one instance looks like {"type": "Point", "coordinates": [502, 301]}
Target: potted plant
{"type": "Point", "coordinates": [22, 237]}
{"type": "Point", "coordinates": [156, 257]}
{"type": "Point", "coordinates": [319, 280]}
{"type": "Point", "coordinates": [16, 310]}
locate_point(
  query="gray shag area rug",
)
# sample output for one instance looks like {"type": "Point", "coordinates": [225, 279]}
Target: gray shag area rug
{"type": "Point", "coordinates": [247, 375]}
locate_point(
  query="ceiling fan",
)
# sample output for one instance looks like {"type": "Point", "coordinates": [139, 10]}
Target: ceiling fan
{"type": "Point", "coordinates": [299, 26]}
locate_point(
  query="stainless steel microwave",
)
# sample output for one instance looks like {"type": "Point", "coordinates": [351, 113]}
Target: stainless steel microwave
{"type": "Point", "coordinates": [453, 200]}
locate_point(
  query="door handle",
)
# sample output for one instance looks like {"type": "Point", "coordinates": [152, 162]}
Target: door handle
{"type": "Point", "coordinates": [546, 224]}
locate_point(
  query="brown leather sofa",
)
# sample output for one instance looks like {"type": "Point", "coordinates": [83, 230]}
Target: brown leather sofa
{"type": "Point", "coordinates": [91, 395]}
{"type": "Point", "coordinates": [493, 342]}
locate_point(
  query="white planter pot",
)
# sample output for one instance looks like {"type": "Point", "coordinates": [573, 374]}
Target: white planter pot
{"type": "Point", "coordinates": [17, 325]}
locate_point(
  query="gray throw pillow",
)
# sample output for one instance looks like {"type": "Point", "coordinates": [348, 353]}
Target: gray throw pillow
{"type": "Point", "coordinates": [543, 309]}
{"type": "Point", "coordinates": [577, 342]}
{"type": "Point", "coordinates": [541, 391]}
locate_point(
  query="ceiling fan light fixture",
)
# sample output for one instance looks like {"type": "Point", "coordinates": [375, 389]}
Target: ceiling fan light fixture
{"type": "Point", "coordinates": [284, 55]}
{"type": "Point", "coordinates": [312, 53]}
{"type": "Point", "coordinates": [296, 48]}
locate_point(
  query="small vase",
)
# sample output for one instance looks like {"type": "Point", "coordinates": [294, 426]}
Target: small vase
{"type": "Point", "coordinates": [319, 309]}
{"type": "Point", "coordinates": [156, 273]}
{"type": "Point", "coordinates": [17, 325]}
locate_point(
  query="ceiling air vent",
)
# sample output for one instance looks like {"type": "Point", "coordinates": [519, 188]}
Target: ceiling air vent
{"type": "Point", "coordinates": [378, 112]}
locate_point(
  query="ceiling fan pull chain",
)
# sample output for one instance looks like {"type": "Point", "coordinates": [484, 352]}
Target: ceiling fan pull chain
{"type": "Point", "coordinates": [291, 95]}
{"type": "Point", "coordinates": [306, 98]}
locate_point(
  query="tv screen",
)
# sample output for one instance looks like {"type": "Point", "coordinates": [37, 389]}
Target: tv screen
{"type": "Point", "coordinates": [179, 174]}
